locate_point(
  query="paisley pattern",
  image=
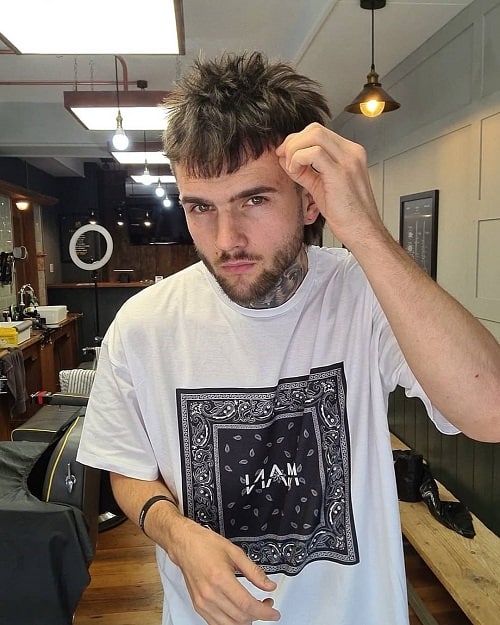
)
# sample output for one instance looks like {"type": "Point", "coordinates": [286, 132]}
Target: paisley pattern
{"type": "Point", "coordinates": [269, 469]}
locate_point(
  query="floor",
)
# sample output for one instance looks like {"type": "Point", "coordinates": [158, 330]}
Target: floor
{"type": "Point", "coordinates": [126, 590]}
{"type": "Point", "coordinates": [125, 587]}
{"type": "Point", "coordinates": [439, 603]}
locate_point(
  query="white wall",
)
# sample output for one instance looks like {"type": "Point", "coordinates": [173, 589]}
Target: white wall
{"type": "Point", "coordinates": [446, 136]}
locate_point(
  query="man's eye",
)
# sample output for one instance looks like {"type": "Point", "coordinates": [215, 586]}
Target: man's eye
{"type": "Point", "coordinates": [200, 208]}
{"type": "Point", "coordinates": [256, 200]}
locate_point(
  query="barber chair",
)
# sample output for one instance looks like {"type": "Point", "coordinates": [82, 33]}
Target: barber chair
{"type": "Point", "coordinates": [78, 382]}
{"type": "Point", "coordinates": [75, 385]}
{"type": "Point", "coordinates": [51, 509]}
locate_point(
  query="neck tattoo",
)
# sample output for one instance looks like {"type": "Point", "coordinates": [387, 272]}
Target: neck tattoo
{"type": "Point", "coordinates": [286, 286]}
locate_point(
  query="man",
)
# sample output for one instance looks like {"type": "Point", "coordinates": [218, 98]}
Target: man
{"type": "Point", "coordinates": [240, 405]}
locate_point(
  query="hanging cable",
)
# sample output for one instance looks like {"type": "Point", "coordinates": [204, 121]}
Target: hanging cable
{"type": "Point", "coordinates": [120, 139]}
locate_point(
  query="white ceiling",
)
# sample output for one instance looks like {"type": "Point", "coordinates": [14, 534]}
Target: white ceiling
{"type": "Point", "coordinates": [329, 40]}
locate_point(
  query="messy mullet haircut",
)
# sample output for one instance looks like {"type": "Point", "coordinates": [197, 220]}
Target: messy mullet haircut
{"type": "Point", "coordinates": [225, 112]}
{"type": "Point", "coordinates": [228, 111]}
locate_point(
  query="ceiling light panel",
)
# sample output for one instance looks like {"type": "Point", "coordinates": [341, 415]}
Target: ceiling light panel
{"type": "Point", "coordinates": [97, 110]}
{"type": "Point", "coordinates": [163, 179]}
{"type": "Point", "coordinates": [130, 158]}
{"type": "Point", "coordinates": [134, 118]}
{"type": "Point", "coordinates": [93, 27]}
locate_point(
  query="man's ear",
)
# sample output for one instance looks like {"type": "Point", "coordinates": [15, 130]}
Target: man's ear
{"type": "Point", "coordinates": [311, 210]}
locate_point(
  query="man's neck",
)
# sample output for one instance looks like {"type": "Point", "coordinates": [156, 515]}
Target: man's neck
{"type": "Point", "coordinates": [287, 285]}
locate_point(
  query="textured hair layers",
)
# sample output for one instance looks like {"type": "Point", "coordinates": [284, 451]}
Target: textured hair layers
{"type": "Point", "coordinates": [230, 110]}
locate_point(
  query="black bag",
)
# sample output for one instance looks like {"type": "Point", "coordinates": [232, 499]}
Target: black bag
{"type": "Point", "coordinates": [414, 482]}
{"type": "Point", "coordinates": [409, 470]}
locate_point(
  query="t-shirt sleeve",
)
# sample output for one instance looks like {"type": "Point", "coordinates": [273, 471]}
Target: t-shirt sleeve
{"type": "Point", "coordinates": [395, 371]}
{"type": "Point", "coordinates": [114, 437]}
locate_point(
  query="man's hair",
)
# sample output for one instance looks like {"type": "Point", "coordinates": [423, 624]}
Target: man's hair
{"type": "Point", "coordinates": [228, 111]}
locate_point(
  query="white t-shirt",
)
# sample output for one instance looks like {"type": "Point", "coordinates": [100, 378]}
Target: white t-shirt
{"type": "Point", "coordinates": [270, 426]}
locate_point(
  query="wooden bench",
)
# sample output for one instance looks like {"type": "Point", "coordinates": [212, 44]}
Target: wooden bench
{"type": "Point", "coordinates": [469, 569]}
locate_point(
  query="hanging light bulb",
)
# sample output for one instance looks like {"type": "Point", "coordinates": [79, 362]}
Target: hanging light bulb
{"type": "Point", "coordinates": [146, 177]}
{"type": "Point", "coordinates": [167, 202]}
{"type": "Point", "coordinates": [373, 103]}
{"type": "Point", "coordinates": [372, 108]}
{"type": "Point", "coordinates": [92, 218]}
{"type": "Point", "coordinates": [120, 139]}
{"type": "Point", "coordinates": [23, 204]}
{"type": "Point", "coordinates": [119, 220]}
{"type": "Point", "coordinates": [159, 190]}
{"type": "Point", "coordinates": [372, 100]}
{"type": "Point", "coordinates": [147, 220]}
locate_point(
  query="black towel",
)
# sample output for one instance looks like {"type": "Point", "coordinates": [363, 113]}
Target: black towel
{"type": "Point", "coordinates": [12, 365]}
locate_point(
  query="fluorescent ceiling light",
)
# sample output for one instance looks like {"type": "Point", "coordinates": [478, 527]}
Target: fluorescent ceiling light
{"type": "Point", "coordinates": [97, 110]}
{"type": "Point", "coordinates": [93, 27]}
{"type": "Point", "coordinates": [134, 118]}
{"type": "Point", "coordinates": [130, 158]}
{"type": "Point", "coordinates": [163, 179]}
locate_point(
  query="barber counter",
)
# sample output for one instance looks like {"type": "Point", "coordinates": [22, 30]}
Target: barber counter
{"type": "Point", "coordinates": [44, 354]}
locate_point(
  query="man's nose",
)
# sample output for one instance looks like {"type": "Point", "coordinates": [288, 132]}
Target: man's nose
{"type": "Point", "coordinates": [230, 232]}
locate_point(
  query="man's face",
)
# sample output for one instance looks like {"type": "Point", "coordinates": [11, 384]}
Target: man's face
{"type": "Point", "coordinates": [247, 226]}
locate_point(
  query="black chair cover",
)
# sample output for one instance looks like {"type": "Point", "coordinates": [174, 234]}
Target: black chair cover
{"type": "Point", "coordinates": [45, 548]}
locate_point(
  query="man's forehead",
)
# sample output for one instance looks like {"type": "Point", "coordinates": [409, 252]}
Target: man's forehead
{"type": "Point", "coordinates": [266, 165]}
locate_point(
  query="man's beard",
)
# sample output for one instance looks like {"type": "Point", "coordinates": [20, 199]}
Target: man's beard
{"type": "Point", "coordinates": [264, 286]}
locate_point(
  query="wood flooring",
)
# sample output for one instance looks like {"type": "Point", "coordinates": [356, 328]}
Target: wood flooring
{"type": "Point", "coordinates": [126, 589]}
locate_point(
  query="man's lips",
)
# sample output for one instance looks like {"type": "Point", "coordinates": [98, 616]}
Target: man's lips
{"type": "Point", "coordinates": [237, 266]}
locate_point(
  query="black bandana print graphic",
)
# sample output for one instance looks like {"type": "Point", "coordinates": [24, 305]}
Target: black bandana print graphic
{"type": "Point", "coordinates": [269, 469]}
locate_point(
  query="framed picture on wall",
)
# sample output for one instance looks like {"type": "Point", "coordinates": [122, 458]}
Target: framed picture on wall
{"type": "Point", "coordinates": [418, 228]}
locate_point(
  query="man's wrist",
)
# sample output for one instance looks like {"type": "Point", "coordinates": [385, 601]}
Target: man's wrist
{"type": "Point", "coordinates": [147, 506]}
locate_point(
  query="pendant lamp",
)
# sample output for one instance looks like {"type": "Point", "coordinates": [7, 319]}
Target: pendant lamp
{"type": "Point", "coordinates": [372, 100]}
{"type": "Point", "coordinates": [120, 139]}
{"type": "Point", "coordinates": [159, 189]}
{"type": "Point", "coordinates": [146, 178]}
{"type": "Point", "coordinates": [23, 203]}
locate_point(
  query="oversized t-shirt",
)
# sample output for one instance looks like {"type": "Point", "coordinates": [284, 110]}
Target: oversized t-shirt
{"type": "Point", "coordinates": [270, 426]}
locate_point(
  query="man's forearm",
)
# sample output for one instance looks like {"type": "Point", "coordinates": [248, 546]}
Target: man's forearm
{"type": "Point", "coordinates": [207, 560]}
{"type": "Point", "coordinates": [132, 494]}
{"type": "Point", "coordinates": [455, 359]}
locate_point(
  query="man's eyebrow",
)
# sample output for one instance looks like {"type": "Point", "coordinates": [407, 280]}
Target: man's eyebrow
{"type": "Point", "coordinates": [252, 191]}
{"type": "Point", "coordinates": [191, 199]}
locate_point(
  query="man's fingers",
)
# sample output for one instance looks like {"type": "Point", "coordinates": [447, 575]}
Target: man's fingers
{"type": "Point", "coordinates": [258, 610]}
{"type": "Point", "coordinates": [256, 575]}
{"type": "Point", "coordinates": [233, 605]}
{"type": "Point", "coordinates": [218, 594]}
